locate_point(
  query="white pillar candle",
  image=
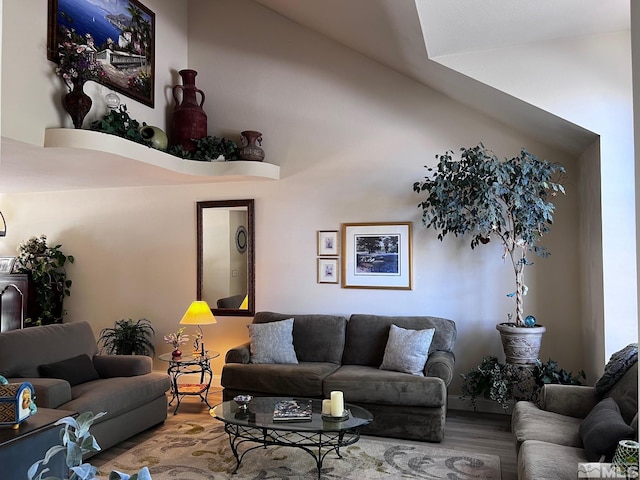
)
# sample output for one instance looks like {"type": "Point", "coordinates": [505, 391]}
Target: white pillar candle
{"type": "Point", "coordinates": [337, 404]}
{"type": "Point", "coordinates": [326, 407]}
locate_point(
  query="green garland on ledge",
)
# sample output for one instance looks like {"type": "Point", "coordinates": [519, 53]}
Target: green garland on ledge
{"type": "Point", "coordinates": [118, 122]}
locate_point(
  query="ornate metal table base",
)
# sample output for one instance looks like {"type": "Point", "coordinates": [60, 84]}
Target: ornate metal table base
{"type": "Point", "coordinates": [316, 444]}
{"type": "Point", "coordinates": [189, 365]}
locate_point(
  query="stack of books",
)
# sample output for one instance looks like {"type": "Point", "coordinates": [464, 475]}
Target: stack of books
{"type": "Point", "coordinates": [292, 411]}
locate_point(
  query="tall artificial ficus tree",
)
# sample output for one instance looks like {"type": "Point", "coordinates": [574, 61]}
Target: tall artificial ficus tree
{"type": "Point", "coordinates": [485, 197]}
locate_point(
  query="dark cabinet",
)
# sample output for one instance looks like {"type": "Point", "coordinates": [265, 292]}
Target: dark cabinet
{"type": "Point", "coordinates": [14, 301]}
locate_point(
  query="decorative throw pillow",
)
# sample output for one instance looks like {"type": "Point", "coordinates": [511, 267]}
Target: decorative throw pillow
{"type": "Point", "coordinates": [74, 370]}
{"type": "Point", "coordinates": [407, 350]}
{"type": "Point", "coordinates": [272, 342]}
{"type": "Point", "coordinates": [616, 367]}
{"type": "Point", "coordinates": [602, 429]}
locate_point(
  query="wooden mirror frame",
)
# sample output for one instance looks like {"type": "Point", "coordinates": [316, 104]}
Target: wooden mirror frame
{"type": "Point", "coordinates": [250, 250]}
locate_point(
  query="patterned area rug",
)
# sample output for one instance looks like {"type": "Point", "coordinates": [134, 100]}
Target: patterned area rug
{"type": "Point", "coordinates": [200, 451]}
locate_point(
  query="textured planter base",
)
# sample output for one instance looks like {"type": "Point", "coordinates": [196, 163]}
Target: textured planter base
{"type": "Point", "coordinates": [521, 345]}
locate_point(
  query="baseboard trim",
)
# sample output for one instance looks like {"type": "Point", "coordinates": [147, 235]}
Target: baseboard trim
{"type": "Point", "coordinates": [483, 405]}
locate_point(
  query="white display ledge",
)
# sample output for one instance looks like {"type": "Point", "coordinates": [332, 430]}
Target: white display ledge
{"type": "Point", "coordinates": [103, 142]}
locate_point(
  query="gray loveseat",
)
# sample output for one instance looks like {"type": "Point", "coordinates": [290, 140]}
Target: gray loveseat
{"type": "Point", "coordinates": [336, 354]}
{"type": "Point", "coordinates": [549, 438]}
{"type": "Point", "coordinates": [123, 386]}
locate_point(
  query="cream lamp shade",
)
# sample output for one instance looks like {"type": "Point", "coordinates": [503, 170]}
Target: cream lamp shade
{"type": "Point", "coordinates": [198, 313]}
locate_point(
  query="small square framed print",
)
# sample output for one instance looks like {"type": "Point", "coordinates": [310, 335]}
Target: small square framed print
{"type": "Point", "coordinates": [327, 270]}
{"type": "Point", "coordinates": [328, 243]}
{"type": "Point", "coordinates": [6, 264]}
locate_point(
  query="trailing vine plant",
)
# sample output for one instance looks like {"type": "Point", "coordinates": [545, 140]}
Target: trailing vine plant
{"type": "Point", "coordinates": [118, 122]}
{"type": "Point", "coordinates": [504, 382]}
{"type": "Point", "coordinates": [46, 267]}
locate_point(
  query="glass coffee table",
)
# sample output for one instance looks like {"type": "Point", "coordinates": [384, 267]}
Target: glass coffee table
{"type": "Point", "coordinates": [317, 437]}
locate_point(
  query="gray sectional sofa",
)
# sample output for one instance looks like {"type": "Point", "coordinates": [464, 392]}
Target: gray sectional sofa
{"type": "Point", "coordinates": [334, 353]}
{"type": "Point", "coordinates": [553, 438]}
{"type": "Point", "coordinates": [62, 363]}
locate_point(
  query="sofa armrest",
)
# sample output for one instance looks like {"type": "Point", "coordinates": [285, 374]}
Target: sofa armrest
{"type": "Point", "coordinates": [239, 354]}
{"type": "Point", "coordinates": [571, 400]}
{"type": "Point", "coordinates": [50, 392]}
{"type": "Point", "coordinates": [109, 366]}
{"type": "Point", "coordinates": [440, 364]}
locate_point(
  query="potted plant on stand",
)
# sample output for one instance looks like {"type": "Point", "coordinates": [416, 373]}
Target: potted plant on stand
{"type": "Point", "coordinates": [47, 272]}
{"type": "Point", "coordinates": [508, 200]}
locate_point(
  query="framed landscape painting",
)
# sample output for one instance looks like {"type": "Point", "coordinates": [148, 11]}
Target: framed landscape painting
{"type": "Point", "coordinates": [119, 33]}
{"type": "Point", "coordinates": [376, 255]}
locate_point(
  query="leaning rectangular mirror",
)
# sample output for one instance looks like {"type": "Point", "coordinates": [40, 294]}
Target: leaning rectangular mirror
{"type": "Point", "coordinates": [225, 234]}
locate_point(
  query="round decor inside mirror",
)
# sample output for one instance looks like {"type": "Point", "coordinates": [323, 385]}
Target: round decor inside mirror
{"type": "Point", "coordinates": [241, 239]}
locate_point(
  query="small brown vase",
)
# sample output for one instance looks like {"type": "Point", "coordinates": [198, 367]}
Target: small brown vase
{"type": "Point", "coordinates": [77, 103]}
{"type": "Point", "coordinates": [249, 150]}
{"type": "Point", "coordinates": [176, 354]}
{"type": "Point", "coordinates": [189, 121]}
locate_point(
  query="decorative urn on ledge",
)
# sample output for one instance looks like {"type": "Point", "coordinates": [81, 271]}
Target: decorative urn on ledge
{"type": "Point", "coordinates": [189, 121]}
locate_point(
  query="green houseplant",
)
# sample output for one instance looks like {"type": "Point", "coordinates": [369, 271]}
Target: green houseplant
{"type": "Point", "coordinates": [76, 443]}
{"type": "Point", "coordinates": [128, 337]}
{"type": "Point", "coordinates": [503, 382]}
{"type": "Point", "coordinates": [488, 198]}
{"type": "Point", "coordinates": [46, 267]}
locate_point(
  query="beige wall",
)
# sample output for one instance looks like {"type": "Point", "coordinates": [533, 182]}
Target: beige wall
{"type": "Point", "coordinates": [350, 137]}
{"type": "Point", "coordinates": [586, 80]}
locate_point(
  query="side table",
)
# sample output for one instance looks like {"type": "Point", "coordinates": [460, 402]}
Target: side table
{"type": "Point", "coordinates": [22, 447]}
{"type": "Point", "coordinates": [189, 364]}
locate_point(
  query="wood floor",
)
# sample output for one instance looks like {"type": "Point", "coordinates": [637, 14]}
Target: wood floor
{"type": "Point", "coordinates": [465, 431]}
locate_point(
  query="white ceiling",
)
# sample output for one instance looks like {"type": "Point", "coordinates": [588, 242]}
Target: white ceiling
{"type": "Point", "coordinates": [406, 35]}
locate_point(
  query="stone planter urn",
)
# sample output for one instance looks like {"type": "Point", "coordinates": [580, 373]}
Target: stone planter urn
{"type": "Point", "coordinates": [521, 345]}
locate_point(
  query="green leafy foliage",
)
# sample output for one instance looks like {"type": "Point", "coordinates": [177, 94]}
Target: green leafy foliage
{"type": "Point", "coordinates": [128, 337]}
{"type": "Point", "coordinates": [491, 379]}
{"type": "Point", "coordinates": [484, 197]}
{"type": "Point", "coordinates": [497, 381]}
{"type": "Point", "coordinates": [76, 443]}
{"type": "Point", "coordinates": [118, 122]}
{"type": "Point", "coordinates": [46, 268]}
{"type": "Point", "coordinates": [550, 372]}
{"type": "Point", "coordinates": [207, 149]}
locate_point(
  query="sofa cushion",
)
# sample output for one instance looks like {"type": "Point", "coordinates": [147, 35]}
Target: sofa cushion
{"type": "Point", "coordinates": [303, 379]}
{"type": "Point", "coordinates": [367, 336]}
{"type": "Point", "coordinates": [529, 422]}
{"type": "Point", "coordinates": [547, 461]}
{"type": "Point", "coordinates": [50, 392]}
{"type": "Point", "coordinates": [362, 384]}
{"type": "Point", "coordinates": [603, 428]}
{"type": "Point", "coordinates": [118, 395]}
{"type": "Point", "coordinates": [316, 338]}
{"type": "Point", "coordinates": [407, 350]}
{"type": "Point", "coordinates": [272, 342]}
{"type": "Point", "coordinates": [616, 367]}
{"type": "Point", "coordinates": [45, 344]}
{"type": "Point", "coordinates": [74, 370]}
{"type": "Point", "coordinates": [625, 393]}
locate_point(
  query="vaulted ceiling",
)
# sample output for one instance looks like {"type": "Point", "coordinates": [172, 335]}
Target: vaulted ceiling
{"type": "Point", "coordinates": [410, 35]}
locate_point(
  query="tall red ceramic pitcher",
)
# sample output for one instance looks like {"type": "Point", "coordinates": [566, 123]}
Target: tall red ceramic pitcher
{"type": "Point", "coordinates": [189, 121]}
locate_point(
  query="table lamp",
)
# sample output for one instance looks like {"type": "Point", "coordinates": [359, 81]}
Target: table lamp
{"type": "Point", "coordinates": [198, 314]}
